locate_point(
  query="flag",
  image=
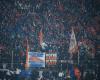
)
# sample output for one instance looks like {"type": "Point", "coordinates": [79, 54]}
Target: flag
{"type": "Point", "coordinates": [71, 72]}
{"type": "Point", "coordinates": [41, 42]}
{"type": "Point", "coordinates": [73, 47]}
{"type": "Point", "coordinates": [27, 56]}
{"type": "Point", "coordinates": [40, 37]}
{"type": "Point", "coordinates": [36, 59]}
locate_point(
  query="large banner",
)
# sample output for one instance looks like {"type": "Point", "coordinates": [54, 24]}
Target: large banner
{"type": "Point", "coordinates": [51, 58]}
{"type": "Point", "coordinates": [36, 59]}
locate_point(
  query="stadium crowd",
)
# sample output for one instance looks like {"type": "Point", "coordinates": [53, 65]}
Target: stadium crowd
{"type": "Point", "coordinates": [24, 19]}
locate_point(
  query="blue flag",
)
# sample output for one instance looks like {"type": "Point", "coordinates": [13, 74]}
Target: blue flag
{"type": "Point", "coordinates": [71, 70]}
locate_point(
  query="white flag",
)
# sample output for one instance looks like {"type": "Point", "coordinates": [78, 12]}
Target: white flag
{"type": "Point", "coordinates": [73, 48]}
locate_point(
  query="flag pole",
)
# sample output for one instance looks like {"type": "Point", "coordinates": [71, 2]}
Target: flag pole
{"type": "Point", "coordinates": [12, 60]}
{"type": "Point", "coordinates": [78, 58]}
{"type": "Point", "coordinates": [27, 48]}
